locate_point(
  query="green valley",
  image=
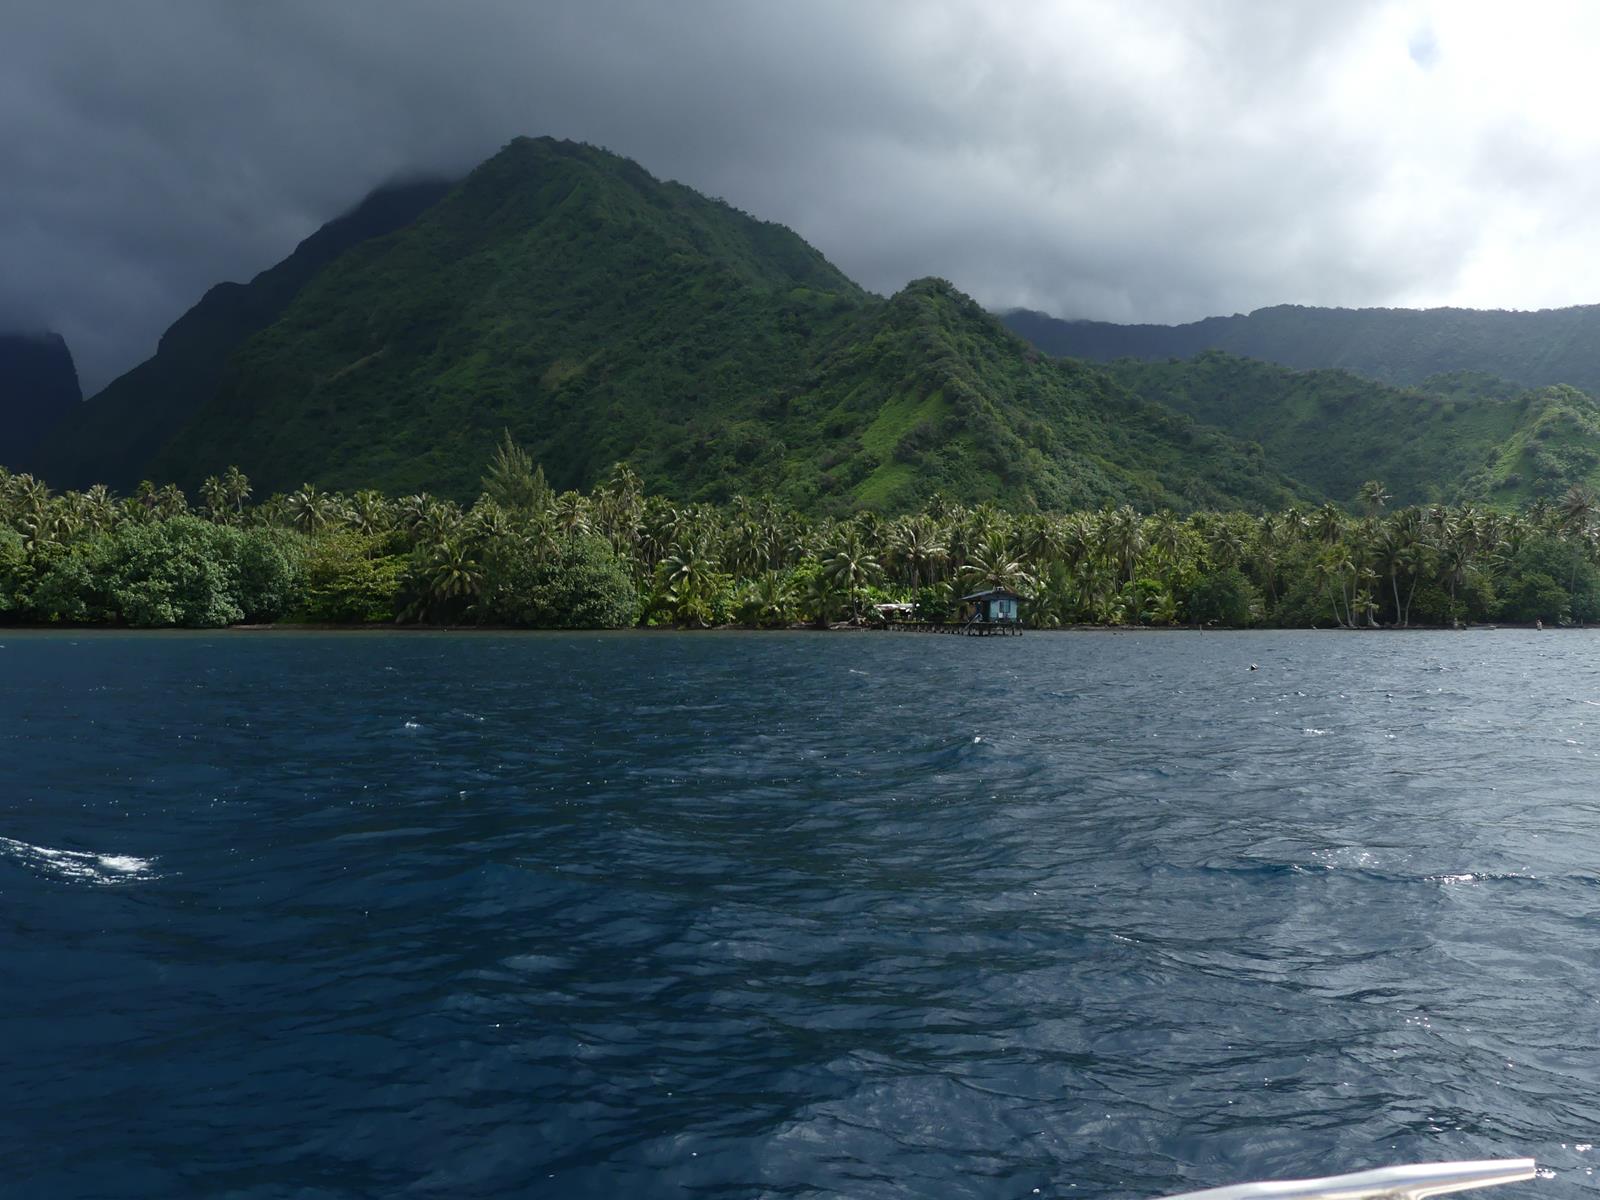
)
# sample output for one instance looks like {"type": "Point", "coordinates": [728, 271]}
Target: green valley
{"type": "Point", "coordinates": [1457, 436]}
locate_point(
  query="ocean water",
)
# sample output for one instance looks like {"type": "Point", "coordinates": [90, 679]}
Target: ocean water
{"type": "Point", "coordinates": [793, 915]}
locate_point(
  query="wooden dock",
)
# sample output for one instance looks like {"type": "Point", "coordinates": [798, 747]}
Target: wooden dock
{"type": "Point", "coordinates": [969, 628]}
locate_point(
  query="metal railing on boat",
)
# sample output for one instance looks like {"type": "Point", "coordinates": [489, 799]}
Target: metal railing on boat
{"type": "Point", "coordinates": [1414, 1182]}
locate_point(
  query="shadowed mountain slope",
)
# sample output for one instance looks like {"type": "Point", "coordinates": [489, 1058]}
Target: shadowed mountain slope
{"type": "Point", "coordinates": [113, 437]}
{"type": "Point", "coordinates": [38, 390]}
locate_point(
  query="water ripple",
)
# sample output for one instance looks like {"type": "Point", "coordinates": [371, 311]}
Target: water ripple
{"type": "Point", "coordinates": [793, 915]}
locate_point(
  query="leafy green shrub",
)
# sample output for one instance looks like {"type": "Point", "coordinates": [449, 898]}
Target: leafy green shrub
{"type": "Point", "coordinates": [1536, 597]}
{"type": "Point", "coordinates": [14, 572]}
{"type": "Point", "coordinates": [579, 584]}
{"type": "Point", "coordinates": [1222, 597]}
{"type": "Point", "coordinates": [68, 585]}
{"type": "Point", "coordinates": [180, 571]}
{"type": "Point", "coordinates": [349, 579]}
{"type": "Point", "coordinates": [269, 573]}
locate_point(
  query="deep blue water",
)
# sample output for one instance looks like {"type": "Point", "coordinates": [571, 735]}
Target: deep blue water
{"type": "Point", "coordinates": [635, 916]}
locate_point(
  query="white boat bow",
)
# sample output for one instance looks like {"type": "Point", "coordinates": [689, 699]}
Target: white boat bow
{"type": "Point", "coordinates": [1414, 1182]}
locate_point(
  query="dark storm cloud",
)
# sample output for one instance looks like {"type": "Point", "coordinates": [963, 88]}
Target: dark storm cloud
{"type": "Point", "coordinates": [1153, 161]}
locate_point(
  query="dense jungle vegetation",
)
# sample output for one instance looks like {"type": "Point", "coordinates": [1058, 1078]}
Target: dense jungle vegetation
{"type": "Point", "coordinates": [522, 555]}
{"type": "Point", "coordinates": [1458, 436]}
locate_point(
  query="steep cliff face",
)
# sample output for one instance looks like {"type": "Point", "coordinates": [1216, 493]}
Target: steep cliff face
{"type": "Point", "coordinates": [38, 390]}
{"type": "Point", "coordinates": [111, 438]}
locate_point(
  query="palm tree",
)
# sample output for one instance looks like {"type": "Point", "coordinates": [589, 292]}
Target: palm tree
{"type": "Point", "coordinates": [572, 513]}
{"type": "Point", "coordinates": [1127, 542]}
{"type": "Point", "coordinates": [1328, 524]}
{"type": "Point", "coordinates": [1294, 524]}
{"type": "Point", "coordinates": [821, 598]}
{"type": "Point", "coordinates": [214, 495]}
{"type": "Point", "coordinates": [690, 582]}
{"type": "Point", "coordinates": [310, 510]}
{"type": "Point", "coordinates": [440, 521]}
{"type": "Point", "coordinates": [992, 565]}
{"type": "Point", "coordinates": [1272, 536]}
{"type": "Point", "coordinates": [1166, 537]}
{"type": "Point", "coordinates": [852, 568]}
{"type": "Point", "coordinates": [1224, 545]}
{"type": "Point", "coordinates": [451, 576]}
{"type": "Point", "coordinates": [99, 509]}
{"type": "Point", "coordinates": [1373, 497]}
{"type": "Point", "coordinates": [370, 513]}
{"type": "Point", "coordinates": [1455, 561]}
{"type": "Point", "coordinates": [1576, 514]}
{"type": "Point", "coordinates": [1390, 555]}
{"type": "Point", "coordinates": [30, 496]}
{"type": "Point", "coordinates": [1334, 569]}
{"type": "Point", "coordinates": [410, 511]}
{"type": "Point", "coordinates": [236, 488]}
{"type": "Point", "coordinates": [488, 520]}
{"type": "Point", "coordinates": [768, 600]}
{"type": "Point", "coordinates": [917, 549]}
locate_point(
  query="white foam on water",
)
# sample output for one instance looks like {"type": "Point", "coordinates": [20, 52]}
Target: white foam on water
{"type": "Point", "coordinates": [80, 865]}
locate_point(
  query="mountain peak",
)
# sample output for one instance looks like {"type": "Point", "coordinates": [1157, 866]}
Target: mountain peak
{"type": "Point", "coordinates": [38, 389]}
{"type": "Point", "coordinates": [562, 294]}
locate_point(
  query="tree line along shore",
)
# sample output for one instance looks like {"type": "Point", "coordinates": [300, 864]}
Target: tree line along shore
{"type": "Point", "coordinates": [615, 557]}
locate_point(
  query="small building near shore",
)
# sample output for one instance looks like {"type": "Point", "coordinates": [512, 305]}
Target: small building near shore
{"type": "Point", "coordinates": [995, 606]}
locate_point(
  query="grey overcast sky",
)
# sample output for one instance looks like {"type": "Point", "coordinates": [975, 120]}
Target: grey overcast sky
{"type": "Point", "coordinates": [1149, 160]}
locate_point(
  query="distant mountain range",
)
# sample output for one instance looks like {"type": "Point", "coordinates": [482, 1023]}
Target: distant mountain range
{"type": "Point", "coordinates": [1391, 345]}
{"type": "Point", "coordinates": [38, 390]}
{"type": "Point", "coordinates": [564, 294]}
{"type": "Point", "coordinates": [1460, 436]}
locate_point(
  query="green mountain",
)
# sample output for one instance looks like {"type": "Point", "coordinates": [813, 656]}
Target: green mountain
{"type": "Point", "coordinates": [1394, 345]}
{"type": "Point", "coordinates": [1461, 436]}
{"type": "Point", "coordinates": [928, 393]}
{"type": "Point", "coordinates": [38, 390]}
{"type": "Point", "coordinates": [598, 314]}
{"type": "Point", "coordinates": [112, 438]}
{"type": "Point", "coordinates": [561, 293]}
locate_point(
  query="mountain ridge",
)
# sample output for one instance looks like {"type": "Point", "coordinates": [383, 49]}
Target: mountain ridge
{"type": "Point", "coordinates": [1391, 345]}
{"type": "Point", "coordinates": [1456, 437]}
{"type": "Point", "coordinates": [105, 439]}
{"type": "Point", "coordinates": [563, 295]}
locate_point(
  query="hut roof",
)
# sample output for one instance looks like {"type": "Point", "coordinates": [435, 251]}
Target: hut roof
{"type": "Point", "coordinates": [998, 593]}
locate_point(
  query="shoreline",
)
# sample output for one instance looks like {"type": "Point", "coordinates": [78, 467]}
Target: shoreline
{"type": "Point", "coordinates": [316, 627]}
